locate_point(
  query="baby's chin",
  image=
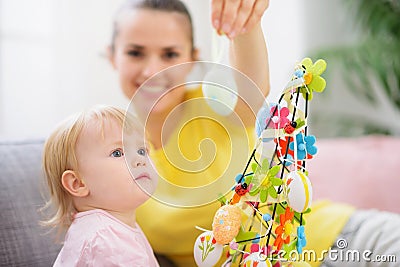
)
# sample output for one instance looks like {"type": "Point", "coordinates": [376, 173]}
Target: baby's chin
{"type": "Point", "coordinates": [147, 186]}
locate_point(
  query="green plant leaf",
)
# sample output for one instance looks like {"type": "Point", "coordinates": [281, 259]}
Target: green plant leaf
{"type": "Point", "coordinates": [371, 65]}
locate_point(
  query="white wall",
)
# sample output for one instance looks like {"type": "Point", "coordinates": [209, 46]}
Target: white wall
{"type": "Point", "coordinates": [52, 62]}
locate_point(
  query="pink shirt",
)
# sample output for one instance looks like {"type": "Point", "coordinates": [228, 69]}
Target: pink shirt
{"type": "Point", "coordinates": [96, 238]}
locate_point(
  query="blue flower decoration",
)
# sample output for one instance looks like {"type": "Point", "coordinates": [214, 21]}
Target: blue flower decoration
{"type": "Point", "coordinates": [305, 145]}
{"type": "Point", "coordinates": [288, 160]}
{"type": "Point", "coordinates": [263, 115]}
{"type": "Point", "coordinates": [301, 239]}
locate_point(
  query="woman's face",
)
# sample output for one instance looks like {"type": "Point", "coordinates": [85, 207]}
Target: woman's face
{"type": "Point", "coordinates": [146, 42]}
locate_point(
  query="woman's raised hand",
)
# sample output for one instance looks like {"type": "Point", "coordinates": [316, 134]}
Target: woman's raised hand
{"type": "Point", "coordinates": [234, 17]}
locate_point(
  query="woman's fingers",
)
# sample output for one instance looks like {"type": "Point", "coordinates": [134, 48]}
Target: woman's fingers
{"type": "Point", "coordinates": [234, 17]}
{"type": "Point", "coordinates": [229, 15]}
{"type": "Point", "coordinates": [243, 14]}
{"type": "Point", "coordinates": [258, 10]}
{"type": "Point", "coordinates": [216, 11]}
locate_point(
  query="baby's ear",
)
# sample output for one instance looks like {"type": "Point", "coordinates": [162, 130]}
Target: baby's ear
{"type": "Point", "coordinates": [74, 184]}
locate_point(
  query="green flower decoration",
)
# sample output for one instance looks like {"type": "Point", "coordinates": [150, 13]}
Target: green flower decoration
{"type": "Point", "coordinates": [264, 181]}
{"type": "Point", "coordinates": [312, 78]}
{"type": "Point", "coordinates": [288, 248]}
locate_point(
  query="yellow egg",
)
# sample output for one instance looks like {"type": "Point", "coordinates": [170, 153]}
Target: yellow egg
{"type": "Point", "coordinates": [300, 191]}
{"type": "Point", "coordinates": [226, 223]}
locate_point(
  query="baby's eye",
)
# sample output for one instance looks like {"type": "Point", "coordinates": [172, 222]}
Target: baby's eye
{"type": "Point", "coordinates": [142, 152]}
{"type": "Point", "coordinates": [117, 153]}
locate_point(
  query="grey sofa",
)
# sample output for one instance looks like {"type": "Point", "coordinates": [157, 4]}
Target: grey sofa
{"type": "Point", "coordinates": [23, 242]}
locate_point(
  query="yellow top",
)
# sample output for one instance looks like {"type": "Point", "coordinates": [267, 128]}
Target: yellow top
{"type": "Point", "coordinates": [323, 225]}
{"type": "Point", "coordinates": [205, 147]}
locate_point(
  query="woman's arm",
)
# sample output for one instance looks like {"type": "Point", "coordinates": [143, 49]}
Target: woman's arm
{"type": "Point", "coordinates": [249, 55]}
{"type": "Point", "coordinates": [241, 22]}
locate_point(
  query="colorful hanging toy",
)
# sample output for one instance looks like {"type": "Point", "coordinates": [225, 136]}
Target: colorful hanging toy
{"type": "Point", "coordinates": [274, 191]}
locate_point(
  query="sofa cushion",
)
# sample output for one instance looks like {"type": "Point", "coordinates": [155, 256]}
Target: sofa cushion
{"type": "Point", "coordinates": [23, 242]}
{"type": "Point", "coordinates": [361, 171]}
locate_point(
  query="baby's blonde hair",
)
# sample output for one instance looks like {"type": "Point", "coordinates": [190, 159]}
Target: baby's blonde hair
{"type": "Point", "coordinates": [59, 155]}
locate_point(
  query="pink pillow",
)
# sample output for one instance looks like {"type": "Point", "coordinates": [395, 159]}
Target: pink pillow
{"type": "Point", "coordinates": [359, 171]}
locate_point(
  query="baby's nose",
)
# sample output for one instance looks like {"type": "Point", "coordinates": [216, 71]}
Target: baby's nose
{"type": "Point", "coordinates": [138, 163]}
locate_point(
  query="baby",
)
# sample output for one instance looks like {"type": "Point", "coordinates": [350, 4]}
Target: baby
{"type": "Point", "coordinates": [96, 183]}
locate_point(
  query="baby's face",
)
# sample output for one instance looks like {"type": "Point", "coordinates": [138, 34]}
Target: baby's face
{"type": "Point", "coordinates": [102, 164]}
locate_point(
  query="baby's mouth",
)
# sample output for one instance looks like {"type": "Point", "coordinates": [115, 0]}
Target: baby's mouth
{"type": "Point", "coordinates": [144, 175]}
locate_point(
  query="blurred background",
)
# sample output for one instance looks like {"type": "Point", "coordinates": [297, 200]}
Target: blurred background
{"type": "Point", "coordinates": [52, 60]}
